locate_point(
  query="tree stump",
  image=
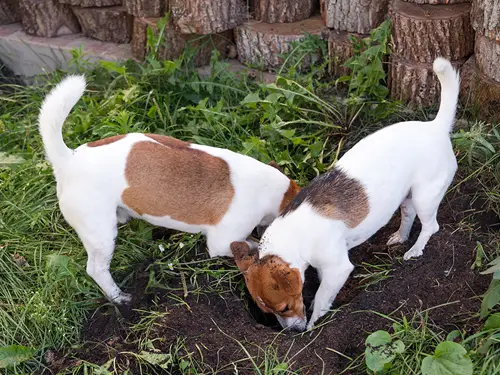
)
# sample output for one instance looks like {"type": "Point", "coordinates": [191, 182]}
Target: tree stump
{"type": "Point", "coordinates": [355, 16]}
{"type": "Point", "coordinates": [146, 8]}
{"type": "Point", "coordinates": [207, 17]}
{"type": "Point", "coordinates": [47, 18]}
{"type": "Point", "coordinates": [488, 57]}
{"type": "Point", "coordinates": [339, 50]}
{"type": "Point", "coordinates": [415, 83]}
{"type": "Point", "coordinates": [281, 11]}
{"type": "Point", "coordinates": [262, 44]}
{"type": "Point", "coordinates": [9, 12]}
{"type": "Point", "coordinates": [485, 16]}
{"type": "Point", "coordinates": [424, 32]}
{"type": "Point", "coordinates": [176, 42]}
{"type": "Point", "coordinates": [479, 91]}
{"type": "Point", "coordinates": [91, 3]}
{"type": "Point", "coordinates": [109, 24]}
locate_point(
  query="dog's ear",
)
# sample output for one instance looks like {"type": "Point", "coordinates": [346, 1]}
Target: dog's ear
{"type": "Point", "coordinates": [244, 256]}
{"type": "Point", "coordinates": [273, 164]}
{"type": "Point", "coordinates": [288, 279]}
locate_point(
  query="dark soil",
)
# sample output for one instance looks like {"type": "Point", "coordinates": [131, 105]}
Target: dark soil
{"type": "Point", "coordinates": [213, 324]}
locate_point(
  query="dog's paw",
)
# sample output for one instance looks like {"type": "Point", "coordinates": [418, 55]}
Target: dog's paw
{"type": "Point", "coordinates": [395, 239]}
{"type": "Point", "coordinates": [413, 253]}
{"type": "Point", "coordinates": [123, 299]}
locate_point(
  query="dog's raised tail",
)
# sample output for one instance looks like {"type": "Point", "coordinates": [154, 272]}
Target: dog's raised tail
{"type": "Point", "coordinates": [450, 87]}
{"type": "Point", "coordinates": [55, 108]}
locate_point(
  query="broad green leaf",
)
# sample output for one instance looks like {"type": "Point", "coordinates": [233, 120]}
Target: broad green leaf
{"type": "Point", "coordinates": [380, 350]}
{"type": "Point", "coordinates": [14, 354]}
{"type": "Point", "coordinates": [449, 358]}
{"type": "Point", "coordinates": [491, 298]}
{"type": "Point", "coordinates": [493, 322]}
{"type": "Point", "coordinates": [159, 359]}
{"type": "Point", "coordinates": [251, 98]}
{"type": "Point", "coordinates": [453, 335]}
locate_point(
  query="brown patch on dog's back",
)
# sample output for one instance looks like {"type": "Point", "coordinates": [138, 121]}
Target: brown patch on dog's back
{"type": "Point", "coordinates": [188, 185]}
{"type": "Point", "coordinates": [168, 141]}
{"type": "Point", "coordinates": [334, 195]}
{"type": "Point", "coordinates": [291, 193]}
{"type": "Point", "coordinates": [106, 141]}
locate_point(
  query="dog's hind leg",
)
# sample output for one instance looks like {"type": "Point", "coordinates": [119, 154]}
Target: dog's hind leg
{"type": "Point", "coordinates": [426, 200]}
{"type": "Point", "coordinates": [97, 228]}
{"type": "Point", "coordinates": [407, 218]}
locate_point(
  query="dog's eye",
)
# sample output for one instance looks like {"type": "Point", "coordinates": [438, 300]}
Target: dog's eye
{"type": "Point", "coordinates": [285, 309]}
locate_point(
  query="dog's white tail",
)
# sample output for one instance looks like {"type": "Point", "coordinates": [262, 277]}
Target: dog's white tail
{"type": "Point", "coordinates": [450, 87]}
{"type": "Point", "coordinates": [55, 108]}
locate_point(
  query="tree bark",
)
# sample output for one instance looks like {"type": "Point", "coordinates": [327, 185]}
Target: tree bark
{"type": "Point", "coordinates": [9, 12]}
{"type": "Point", "coordinates": [415, 83]}
{"type": "Point", "coordinates": [47, 18]}
{"type": "Point", "coordinates": [207, 17]}
{"type": "Point", "coordinates": [280, 11]}
{"type": "Point", "coordinates": [262, 44]}
{"type": "Point", "coordinates": [355, 16]}
{"type": "Point", "coordinates": [109, 24]}
{"type": "Point", "coordinates": [424, 32]}
{"type": "Point", "coordinates": [486, 18]}
{"type": "Point", "coordinates": [91, 3]}
{"type": "Point", "coordinates": [174, 42]}
{"type": "Point", "coordinates": [146, 8]}
{"type": "Point", "coordinates": [479, 91]}
{"type": "Point", "coordinates": [339, 50]}
{"type": "Point", "coordinates": [488, 56]}
{"type": "Point", "coordinates": [437, 2]}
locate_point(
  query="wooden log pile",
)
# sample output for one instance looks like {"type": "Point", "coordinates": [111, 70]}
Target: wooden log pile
{"type": "Point", "coordinates": [263, 40]}
{"type": "Point", "coordinates": [9, 12]}
{"type": "Point", "coordinates": [345, 18]}
{"type": "Point", "coordinates": [423, 30]}
{"type": "Point", "coordinates": [481, 74]}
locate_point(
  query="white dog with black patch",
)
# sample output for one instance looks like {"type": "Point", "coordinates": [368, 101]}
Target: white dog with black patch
{"type": "Point", "coordinates": [163, 180]}
{"type": "Point", "coordinates": [408, 165]}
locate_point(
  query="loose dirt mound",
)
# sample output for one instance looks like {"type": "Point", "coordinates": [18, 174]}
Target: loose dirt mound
{"type": "Point", "coordinates": [213, 325]}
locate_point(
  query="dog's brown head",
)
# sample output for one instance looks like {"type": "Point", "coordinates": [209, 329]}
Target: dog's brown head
{"type": "Point", "coordinates": [273, 284]}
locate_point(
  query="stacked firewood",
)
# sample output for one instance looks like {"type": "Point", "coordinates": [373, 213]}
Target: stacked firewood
{"type": "Point", "coordinates": [201, 25]}
{"type": "Point", "coordinates": [423, 30]}
{"type": "Point", "coordinates": [344, 18]}
{"type": "Point", "coordinates": [481, 73]}
{"type": "Point", "coordinates": [263, 40]}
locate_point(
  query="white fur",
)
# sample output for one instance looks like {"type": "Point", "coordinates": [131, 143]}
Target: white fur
{"type": "Point", "coordinates": [90, 182]}
{"type": "Point", "coordinates": [414, 157]}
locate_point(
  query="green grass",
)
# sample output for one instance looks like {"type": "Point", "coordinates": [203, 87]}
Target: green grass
{"type": "Point", "coordinates": [299, 122]}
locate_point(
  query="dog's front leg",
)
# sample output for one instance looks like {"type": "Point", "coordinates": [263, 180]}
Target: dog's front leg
{"type": "Point", "coordinates": [332, 279]}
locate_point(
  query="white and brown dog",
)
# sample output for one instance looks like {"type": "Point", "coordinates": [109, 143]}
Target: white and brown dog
{"type": "Point", "coordinates": [408, 165]}
{"type": "Point", "coordinates": [163, 180]}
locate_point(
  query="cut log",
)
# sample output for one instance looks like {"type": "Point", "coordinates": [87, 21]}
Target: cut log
{"type": "Point", "coordinates": [355, 16]}
{"type": "Point", "coordinates": [263, 44]}
{"type": "Point", "coordinates": [9, 11]}
{"type": "Point", "coordinates": [438, 2]}
{"type": "Point", "coordinates": [415, 83]}
{"type": "Point", "coordinates": [479, 91]}
{"type": "Point", "coordinates": [280, 11]}
{"type": "Point", "coordinates": [207, 17]}
{"type": "Point", "coordinates": [47, 18]}
{"type": "Point", "coordinates": [423, 32]}
{"type": "Point", "coordinates": [488, 56]}
{"type": "Point", "coordinates": [174, 42]}
{"type": "Point", "coordinates": [91, 3]}
{"type": "Point", "coordinates": [486, 18]}
{"type": "Point", "coordinates": [146, 8]}
{"type": "Point", "coordinates": [339, 50]}
{"type": "Point", "coordinates": [110, 24]}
